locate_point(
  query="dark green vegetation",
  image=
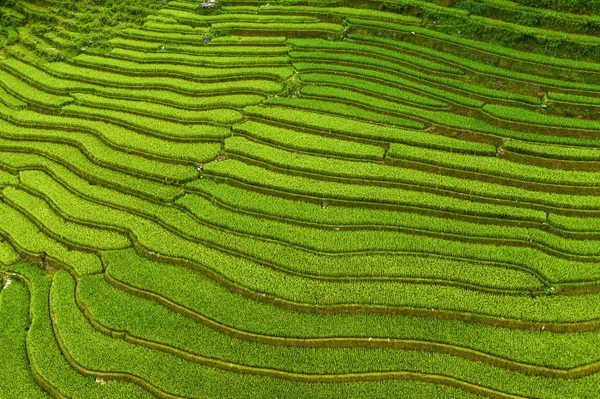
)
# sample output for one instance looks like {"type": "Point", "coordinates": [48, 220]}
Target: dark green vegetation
{"type": "Point", "coordinates": [328, 200]}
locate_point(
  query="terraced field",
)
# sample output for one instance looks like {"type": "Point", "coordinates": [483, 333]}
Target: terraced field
{"type": "Point", "coordinates": [300, 199]}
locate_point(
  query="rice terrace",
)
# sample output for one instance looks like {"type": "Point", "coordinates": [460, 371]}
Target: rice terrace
{"type": "Point", "coordinates": [299, 199]}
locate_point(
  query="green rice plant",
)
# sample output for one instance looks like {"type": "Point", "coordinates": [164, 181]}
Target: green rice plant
{"type": "Point", "coordinates": [30, 94]}
{"type": "Point", "coordinates": [45, 356]}
{"type": "Point", "coordinates": [535, 118]}
{"type": "Point", "coordinates": [571, 98]}
{"type": "Point", "coordinates": [337, 11]}
{"type": "Point", "coordinates": [553, 151]}
{"type": "Point", "coordinates": [494, 166]}
{"type": "Point", "coordinates": [183, 71]}
{"type": "Point", "coordinates": [219, 116]}
{"type": "Point", "coordinates": [352, 48]}
{"type": "Point", "coordinates": [197, 60]}
{"type": "Point", "coordinates": [215, 49]}
{"type": "Point", "coordinates": [168, 25]}
{"type": "Point", "coordinates": [26, 236]}
{"type": "Point", "coordinates": [74, 159]}
{"type": "Point", "coordinates": [278, 26]}
{"type": "Point", "coordinates": [79, 234]}
{"type": "Point", "coordinates": [113, 79]}
{"type": "Point", "coordinates": [98, 151]}
{"type": "Point", "coordinates": [470, 64]}
{"type": "Point", "coordinates": [18, 381]}
{"type": "Point", "coordinates": [207, 297]}
{"type": "Point", "coordinates": [229, 17]}
{"type": "Point", "coordinates": [254, 175]}
{"type": "Point", "coordinates": [352, 60]}
{"type": "Point", "coordinates": [343, 110]}
{"type": "Point", "coordinates": [321, 121]}
{"type": "Point", "coordinates": [351, 77]}
{"type": "Point", "coordinates": [371, 87]}
{"type": "Point", "coordinates": [357, 171]}
{"type": "Point", "coordinates": [126, 139]}
{"type": "Point", "coordinates": [308, 142]}
{"type": "Point", "coordinates": [11, 101]}
{"type": "Point", "coordinates": [8, 255]}
{"type": "Point", "coordinates": [83, 341]}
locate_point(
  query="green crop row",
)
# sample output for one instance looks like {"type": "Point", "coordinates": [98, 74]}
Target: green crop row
{"type": "Point", "coordinates": [382, 89]}
{"type": "Point", "coordinates": [159, 111]}
{"type": "Point", "coordinates": [8, 255]}
{"type": "Point", "coordinates": [329, 123]}
{"type": "Point", "coordinates": [330, 11]}
{"type": "Point", "coordinates": [76, 233]}
{"type": "Point", "coordinates": [351, 47]}
{"type": "Point", "coordinates": [85, 343]}
{"type": "Point", "coordinates": [308, 142]}
{"type": "Point", "coordinates": [126, 139]}
{"type": "Point", "coordinates": [11, 101]}
{"type": "Point", "coordinates": [571, 98]}
{"type": "Point", "coordinates": [227, 17]}
{"type": "Point", "coordinates": [453, 120]}
{"type": "Point", "coordinates": [352, 61]}
{"type": "Point", "coordinates": [553, 151]}
{"type": "Point", "coordinates": [283, 209]}
{"type": "Point", "coordinates": [494, 166]}
{"type": "Point", "coordinates": [98, 151]}
{"type": "Point", "coordinates": [204, 296]}
{"type": "Point", "coordinates": [355, 171]}
{"type": "Point", "coordinates": [169, 25]}
{"type": "Point", "coordinates": [27, 236]}
{"type": "Point", "coordinates": [214, 49]}
{"type": "Point", "coordinates": [113, 79]}
{"type": "Point", "coordinates": [17, 379]}
{"type": "Point", "coordinates": [286, 27]}
{"type": "Point", "coordinates": [536, 118]}
{"type": "Point", "coordinates": [30, 94]}
{"type": "Point", "coordinates": [338, 109]}
{"type": "Point", "coordinates": [197, 60]}
{"type": "Point", "coordinates": [383, 78]}
{"type": "Point", "coordinates": [300, 261]}
{"type": "Point", "coordinates": [183, 71]}
{"type": "Point", "coordinates": [474, 65]}
{"type": "Point", "coordinates": [46, 359]}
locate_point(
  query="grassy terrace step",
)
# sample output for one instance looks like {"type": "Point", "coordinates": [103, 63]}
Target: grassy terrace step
{"type": "Point", "coordinates": [94, 149]}
{"type": "Point", "coordinates": [466, 62]}
{"type": "Point", "coordinates": [493, 166]}
{"type": "Point", "coordinates": [18, 381]}
{"type": "Point", "coordinates": [349, 47]}
{"type": "Point", "coordinates": [184, 16]}
{"type": "Point", "coordinates": [8, 255]}
{"type": "Point", "coordinates": [112, 79]}
{"type": "Point", "coordinates": [571, 98]}
{"type": "Point", "coordinates": [127, 139]}
{"type": "Point", "coordinates": [31, 94]}
{"type": "Point", "coordinates": [213, 49]}
{"type": "Point", "coordinates": [197, 60]}
{"type": "Point", "coordinates": [300, 261]}
{"type": "Point", "coordinates": [11, 101]}
{"type": "Point", "coordinates": [290, 28]}
{"type": "Point", "coordinates": [223, 116]}
{"type": "Point", "coordinates": [74, 159]}
{"type": "Point", "coordinates": [349, 62]}
{"type": "Point", "coordinates": [351, 111]}
{"type": "Point", "coordinates": [83, 342]}
{"type": "Point", "coordinates": [116, 310]}
{"type": "Point", "coordinates": [203, 298]}
{"type": "Point", "coordinates": [24, 235]}
{"type": "Point", "coordinates": [306, 142]}
{"type": "Point", "coordinates": [48, 362]}
{"type": "Point", "coordinates": [378, 89]}
{"type": "Point", "coordinates": [348, 218]}
{"type": "Point", "coordinates": [183, 71]}
{"type": "Point", "coordinates": [473, 190]}
{"type": "Point", "coordinates": [456, 121]}
{"type": "Point", "coordinates": [535, 118]}
{"type": "Point", "coordinates": [79, 234]}
{"type": "Point", "coordinates": [329, 123]}
{"type": "Point", "coordinates": [359, 77]}
{"type": "Point", "coordinates": [553, 151]}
